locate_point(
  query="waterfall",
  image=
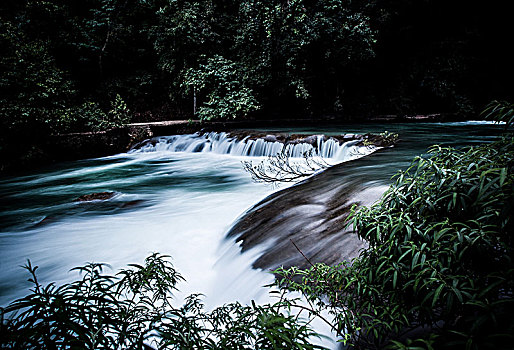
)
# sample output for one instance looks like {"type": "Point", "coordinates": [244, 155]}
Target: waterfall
{"type": "Point", "coordinates": [183, 204]}
{"type": "Point", "coordinates": [223, 143]}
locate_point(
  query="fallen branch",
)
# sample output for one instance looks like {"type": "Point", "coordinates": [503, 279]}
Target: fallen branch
{"type": "Point", "coordinates": [280, 168]}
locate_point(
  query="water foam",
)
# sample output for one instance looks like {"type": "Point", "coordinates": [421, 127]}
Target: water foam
{"type": "Point", "coordinates": [223, 143]}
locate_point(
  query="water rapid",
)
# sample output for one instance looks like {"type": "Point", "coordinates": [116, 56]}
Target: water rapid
{"type": "Point", "coordinates": [180, 195]}
{"type": "Point", "coordinates": [246, 146]}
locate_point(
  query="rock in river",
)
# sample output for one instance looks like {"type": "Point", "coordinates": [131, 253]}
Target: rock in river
{"type": "Point", "coordinates": [102, 196]}
{"type": "Point", "coordinates": [310, 214]}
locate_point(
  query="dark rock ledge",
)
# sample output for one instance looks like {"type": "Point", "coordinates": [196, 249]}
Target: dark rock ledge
{"type": "Point", "coordinates": [311, 214]}
{"type": "Point", "coordinates": [375, 139]}
{"type": "Point", "coordinates": [292, 139]}
{"type": "Point", "coordinates": [97, 196]}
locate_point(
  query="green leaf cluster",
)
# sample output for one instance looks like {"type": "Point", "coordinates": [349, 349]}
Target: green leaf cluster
{"type": "Point", "coordinates": [134, 309]}
{"type": "Point", "coordinates": [439, 261]}
{"type": "Point", "coordinates": [267, 53]}
{"type": "Point", "coordinates": [500, 111]}
{"type": "Point", "coordinates": [37, 94]}
{"type": "Point", "coordinates": [228, 96]}
{"type": "Point", "coordinates": [344, 58]}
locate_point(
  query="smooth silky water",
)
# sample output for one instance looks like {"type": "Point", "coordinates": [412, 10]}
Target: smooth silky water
{"type": "Point", "coordinates": [178, 196]}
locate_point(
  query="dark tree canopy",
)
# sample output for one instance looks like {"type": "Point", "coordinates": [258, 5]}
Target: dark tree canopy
{"type": "Point", "coordinates": [64, 64]}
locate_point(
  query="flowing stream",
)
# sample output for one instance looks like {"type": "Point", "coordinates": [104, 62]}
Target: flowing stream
{"type": "Point", "coordinates": [177, 195]}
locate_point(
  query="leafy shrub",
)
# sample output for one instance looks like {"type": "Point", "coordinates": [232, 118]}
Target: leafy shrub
{"type": "Point", "coordinates": [500, 111]}
{"type": "Point", "coordinates": [119, 114]}
{"type": "Point", "coordinates": [90, 116]}
{"type": "Point", "coordinates": [37, 98]}
{"type": "Point", "coordinates": [439, 260]}
{"type": "Point", "coordinates": [227, 96]}
{"type": "Point", "coordinates": [134, 310]}
{"type": "Point", "coordinates": [32, 87]}
{"type": "Point", "coordinates": [86, 116]}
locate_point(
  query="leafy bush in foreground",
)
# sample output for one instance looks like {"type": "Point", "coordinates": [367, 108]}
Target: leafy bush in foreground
{"type": "Point", "coordinates": [439, 266]}
{"type": "Point", "coordinates": [133, 310]}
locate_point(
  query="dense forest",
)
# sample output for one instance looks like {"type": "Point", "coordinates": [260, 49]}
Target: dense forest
{"type": "Point", "coordinates": [89, 65]}
{"type": "Point", "coordinates": [438, 271]}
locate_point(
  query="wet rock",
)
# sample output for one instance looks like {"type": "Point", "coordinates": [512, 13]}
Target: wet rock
{"type": "Point", "coordinates": [270, 138]}
{"type": "Point", "coordinates": [312, 215]}
{"type": "Point", "coordinates": [384, 139]}
{"type": "Point", "coordinates": [44, 221]}
{"type": "Point", "coordinates": [132, 204]}
{"type": "Point", "coordinates": [290, 139]}
{"type": "Point", "coordinates": [312, 139]}
{"type": "Point", "coordinates": [102, 196]}
{"type": "Point", "coordinates": [137, 133]}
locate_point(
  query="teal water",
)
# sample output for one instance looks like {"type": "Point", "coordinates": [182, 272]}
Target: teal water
{"type": "Point", "coordinates": [177, 203]}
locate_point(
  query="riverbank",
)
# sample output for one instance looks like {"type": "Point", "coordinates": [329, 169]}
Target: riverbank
{"type": "Point", "coordinates": [75, 146]}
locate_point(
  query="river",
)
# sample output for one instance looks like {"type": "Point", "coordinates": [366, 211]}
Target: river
{"type": "Point", "coordinates": [171, 198]}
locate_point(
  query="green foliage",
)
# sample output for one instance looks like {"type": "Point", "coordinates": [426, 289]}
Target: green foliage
{"type": "Point", "coordinates": [118, 115]}
{"type": "Point", "coordinates": [90, 116]}
{"type": "Point", "coordinates": [277, 50]}
{"type": "Point", "coordinates": [38, 95]}
{"type": "Point", "coordinates": [32, 87]}
{"type": "Point", "coordinates": [227, 96]}
{"type": "Point", "coordinates": [183, 33]}
{"type": "Point", "coordinates": [134, 310]}
{"type": "Point", "coordinates": [439, 259]}
{"type": "Point", "coordinates": [500, 111]}
{"type": "Point", "coordinates": [293, 57]}
{"type": "Point", "coordinates": [291, 47]}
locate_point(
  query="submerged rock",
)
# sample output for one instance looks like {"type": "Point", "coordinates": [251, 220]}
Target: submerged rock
{"type": "Point", "coordinates": [102, 196]}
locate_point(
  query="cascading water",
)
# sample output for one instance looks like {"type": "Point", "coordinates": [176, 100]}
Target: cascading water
{"type": "Point", "coordinates": [178, 195]}
{"type": "Point", "coordinates": [222, 143]}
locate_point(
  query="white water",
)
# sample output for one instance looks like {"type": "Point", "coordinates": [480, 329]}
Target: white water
{"type": "Point", "coordinates": [222, 143]}
{"type": "Point", "coordinates": [187, 203]}
{"type": "Point", "coordinates": [191, 189]}
{"type": "Point", "coordinates": [187, 222]}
